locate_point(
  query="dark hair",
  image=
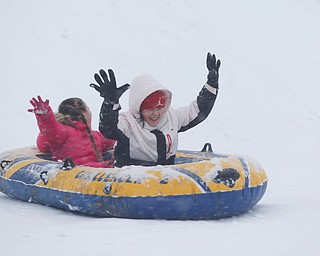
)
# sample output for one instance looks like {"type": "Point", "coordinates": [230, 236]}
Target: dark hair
{"type": "Point", "coordinates": [73, 107]}
{"type": "Point", "coordinates": [141, 119]}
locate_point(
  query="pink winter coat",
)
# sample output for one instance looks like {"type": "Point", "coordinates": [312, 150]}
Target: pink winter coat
{"type": "Point", "coordinates": [64, 141]}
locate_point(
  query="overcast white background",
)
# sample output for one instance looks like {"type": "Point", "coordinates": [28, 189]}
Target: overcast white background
{"type": "Point", "coordinates": [268, 108]}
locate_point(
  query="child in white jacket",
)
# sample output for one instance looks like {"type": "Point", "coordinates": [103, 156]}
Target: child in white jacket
{"type": "Point", "coordinates": [147, 134]}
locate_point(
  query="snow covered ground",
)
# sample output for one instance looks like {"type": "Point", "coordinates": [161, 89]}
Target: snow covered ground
{"type": "Point", "coordinates": [268, 108]}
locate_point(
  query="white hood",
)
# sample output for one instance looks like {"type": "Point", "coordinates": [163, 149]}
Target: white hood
{"type": "Point", "coordinates": [140, 88]}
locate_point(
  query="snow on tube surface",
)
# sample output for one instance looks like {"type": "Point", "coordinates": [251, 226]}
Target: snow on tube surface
{"type": "Point", "coordinates": [201, 185]}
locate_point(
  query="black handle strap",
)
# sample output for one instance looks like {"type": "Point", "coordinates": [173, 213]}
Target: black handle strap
{"type": "Point", "coordinates": [4, 164]}
{"type": "Point", "coordinates": [207, 148]}
{"type": "Point", "coordinates": [68, 164]}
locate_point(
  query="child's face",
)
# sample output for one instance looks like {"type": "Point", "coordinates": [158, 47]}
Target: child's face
{"type": "Point", "coordinates": [153, 115]}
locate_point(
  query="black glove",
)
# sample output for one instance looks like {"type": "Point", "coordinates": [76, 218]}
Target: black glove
{"type": "Point", "coordinates": [213, 66]}
{"type": "Point", "coordinates": [108, 88]}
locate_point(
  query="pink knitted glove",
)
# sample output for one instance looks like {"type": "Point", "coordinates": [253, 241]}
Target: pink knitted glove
{"type": "Point", "coordinates": [40, 107]}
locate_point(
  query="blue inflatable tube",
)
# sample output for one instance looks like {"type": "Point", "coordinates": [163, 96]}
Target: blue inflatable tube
{"type": "Point", "coordinates": [201, 185]}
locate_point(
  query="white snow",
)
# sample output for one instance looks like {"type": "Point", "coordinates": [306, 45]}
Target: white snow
{"type": "Point", "coordinates": [268, 108]}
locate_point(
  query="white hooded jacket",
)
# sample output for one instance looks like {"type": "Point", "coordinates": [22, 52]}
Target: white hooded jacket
{"type": "Point", "coordinates": [142, 142]}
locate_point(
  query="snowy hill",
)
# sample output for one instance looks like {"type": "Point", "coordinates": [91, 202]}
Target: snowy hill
{"type": "Point", "coordinates": [268, 107]}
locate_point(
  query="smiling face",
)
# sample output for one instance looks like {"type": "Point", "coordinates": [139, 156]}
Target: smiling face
{"type": "Point", "coordinates": [153, 108]}
{"type": "Point", "coordinates": [153, 115]}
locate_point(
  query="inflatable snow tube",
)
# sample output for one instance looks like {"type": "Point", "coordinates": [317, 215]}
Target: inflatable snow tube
{"type": "Point", "coordinates": [201, 185]}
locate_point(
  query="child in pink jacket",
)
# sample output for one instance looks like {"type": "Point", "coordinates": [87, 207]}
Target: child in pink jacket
{"type": "Point", "coordinates": [68, 134]}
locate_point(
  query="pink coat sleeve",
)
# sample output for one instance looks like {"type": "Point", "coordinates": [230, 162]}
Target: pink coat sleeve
{"type": "Point", "coordinates": [51, 131]}
{"type": "Point", "coordinates": [43, 144]}
{"type": "Point", "coordinates": [107, 144]}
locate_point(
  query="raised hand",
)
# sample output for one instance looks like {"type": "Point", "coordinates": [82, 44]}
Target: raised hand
{"type": "Point", "coordinates": [40, 107]}
{"type": "Point", "coordinates": [107, 87]}
{"type": "Point", "coordinates": [213, 66]}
